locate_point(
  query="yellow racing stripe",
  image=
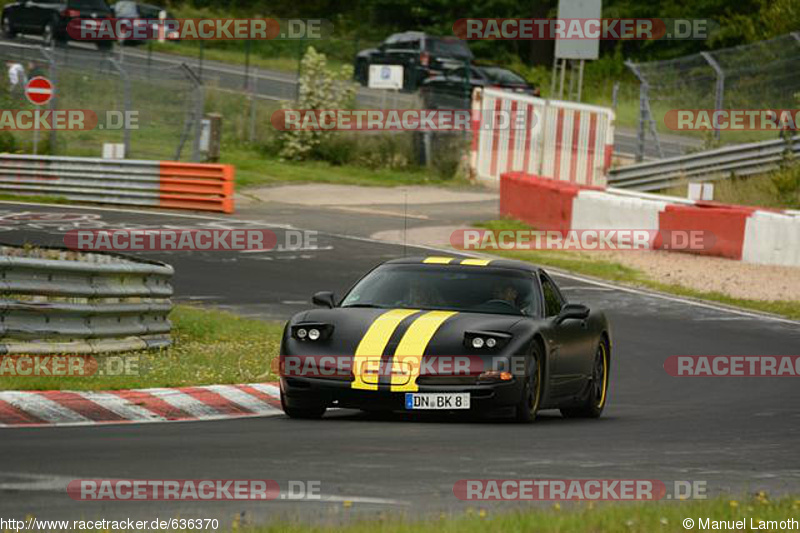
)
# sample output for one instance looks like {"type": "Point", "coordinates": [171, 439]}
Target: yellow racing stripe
{"type": "Point", "coordinates": [435, 260]}
{"type": "Point", "coordinates": [476, 262]}
{"type": "Point", "coordinates": [374, 342]}
{"type": "Point", "coordinates": [412, 347]}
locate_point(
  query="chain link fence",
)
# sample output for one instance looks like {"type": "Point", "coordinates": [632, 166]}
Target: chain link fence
{"type": "Point", "coordinates": [761, 75]}
{"type": "Point", "coordinates": [153, 110]}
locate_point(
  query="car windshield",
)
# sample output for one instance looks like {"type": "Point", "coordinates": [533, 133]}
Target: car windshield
{"type": "Point", "coordinates": [501, 75]}
{"type": "Point", "coordinates": [466, 289]}
{"type": "Point", "coordinates": [449, 48]}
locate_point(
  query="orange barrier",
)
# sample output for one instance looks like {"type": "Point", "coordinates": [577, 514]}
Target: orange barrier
{"type": "Point", "coordinates": [202, 186]}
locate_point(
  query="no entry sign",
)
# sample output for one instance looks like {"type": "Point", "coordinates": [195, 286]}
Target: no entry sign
{"type": "Point", "coordinates": [39, 90]}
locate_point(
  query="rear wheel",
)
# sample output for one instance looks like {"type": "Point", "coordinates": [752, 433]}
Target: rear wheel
{"type": "Point", "coordinates": [595, 401]}
{"type": "Point", "coordinates": [531, 397]}
{"type": "Point", "coordinates": [50, 35]}
{"type": "Point", "coordinates": [8, 28]}
{"type": "Point", "coordinates": [361, 71]}
{"type": "Point", "coordinates": [306, 413]}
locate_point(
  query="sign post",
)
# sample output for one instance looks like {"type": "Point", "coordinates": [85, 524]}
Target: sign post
{"type": "Point", "coordinates": [575, 49]}
{"type": "Point", "coordinates": [38, 91]}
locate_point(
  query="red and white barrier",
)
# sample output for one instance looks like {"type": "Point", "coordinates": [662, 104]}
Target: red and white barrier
{"type": "Point", "coordinates": [739, 232]}
{"type": "Point", "coordinates": [564, 141]}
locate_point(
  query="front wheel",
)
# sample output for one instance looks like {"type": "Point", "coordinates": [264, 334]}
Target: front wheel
{"type": "Point", "coordinates": [50, 36]}
{"type": "Point", "coordinates": [531, 397]}
{"type": "Point", "coordinates": [307, 413]}
{"type": "Point", "coordinates": [592, 406]}
{"type": "Point", "coordinates": [8, 28]}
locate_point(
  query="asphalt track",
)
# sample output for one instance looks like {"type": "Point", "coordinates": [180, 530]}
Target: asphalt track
{"type": "Point", "coordinates": [737, 435]}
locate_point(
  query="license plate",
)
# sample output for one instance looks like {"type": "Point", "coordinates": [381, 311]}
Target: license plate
{"type": "Point", "coordinates": [437, 400]}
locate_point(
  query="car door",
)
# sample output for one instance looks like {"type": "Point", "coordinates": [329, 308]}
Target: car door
{"type": "Point", "coordinates": [570, 337]}
{"type": "Point", "coordinates": [24, 15]}
{"type": "Point", "coordinates": [42, 12]}
{"type": "Point", "coordinates": [574, 364]}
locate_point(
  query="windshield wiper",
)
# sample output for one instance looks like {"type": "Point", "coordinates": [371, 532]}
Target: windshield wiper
{"type": "Point", "coordinates": [366, 305]}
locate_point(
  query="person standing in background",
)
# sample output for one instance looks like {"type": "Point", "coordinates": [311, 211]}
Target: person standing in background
{"type": "Point", "coordinates": [16, 77]}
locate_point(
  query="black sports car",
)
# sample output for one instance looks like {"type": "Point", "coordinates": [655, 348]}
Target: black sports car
{"type": "Point", "coordinates": [447, 333]}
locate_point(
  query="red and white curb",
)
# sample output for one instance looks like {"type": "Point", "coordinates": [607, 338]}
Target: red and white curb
{"type": "Point", "coordinates": [78, 408]}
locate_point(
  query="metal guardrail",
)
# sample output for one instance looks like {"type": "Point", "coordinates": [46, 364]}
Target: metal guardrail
{"type": "Point", "coordinates": [737, 160]}
{"type": "Point", "coordinates": [81, 303]}
{"type": "Point", "coordinates": [120, 181]}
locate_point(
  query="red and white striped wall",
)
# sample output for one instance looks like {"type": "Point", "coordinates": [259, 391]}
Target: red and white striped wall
{"type": "Point", "coordinates": [739, 232]}
{"type": "Point", "coordinates": [565, 141]}
{"type": "Point", "coordinates": [76, 408]}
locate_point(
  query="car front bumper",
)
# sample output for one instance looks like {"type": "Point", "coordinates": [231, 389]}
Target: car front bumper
{"type": "Point", "coordinates": [304, 392]}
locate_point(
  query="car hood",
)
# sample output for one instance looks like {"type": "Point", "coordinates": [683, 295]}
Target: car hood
{"type": "Point", "coordinates": [431, 332]}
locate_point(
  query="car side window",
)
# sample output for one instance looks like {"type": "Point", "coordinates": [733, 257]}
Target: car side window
{"type": "Point", "coordinates": [553, 302]}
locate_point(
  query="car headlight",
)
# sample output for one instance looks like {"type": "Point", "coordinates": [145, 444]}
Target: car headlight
{"type": "Point", "coordinates": [312, 332]}
{"type": "Point", "coordinates": [485, 340]}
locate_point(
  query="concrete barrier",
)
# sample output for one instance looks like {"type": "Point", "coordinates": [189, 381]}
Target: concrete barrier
{"type": "Point", "coordinates": [736, 232]}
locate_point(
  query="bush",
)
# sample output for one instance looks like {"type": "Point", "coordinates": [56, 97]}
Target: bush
{"type": "Point", "coordinates": [319, 89]}
{"type": "Point", "coordinates": [8, 144]}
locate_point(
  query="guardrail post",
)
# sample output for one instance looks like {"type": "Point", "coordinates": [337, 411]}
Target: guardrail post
{"type": "Point", "coordinates": [720, 87]}
{"type": "Point", "coordinates": [126, 104]}
{"type": "Point", "coordinates": [54, 100]}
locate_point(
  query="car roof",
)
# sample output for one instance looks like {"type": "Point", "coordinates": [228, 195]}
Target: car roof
{"type": "Point", "coordinates": [453, 261]}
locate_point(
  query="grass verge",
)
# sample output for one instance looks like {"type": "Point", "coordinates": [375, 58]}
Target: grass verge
{"type": "Point", "coordinates": [254, 169]}
{"type": "Point", "coordinates": [578, 518]}
{"type": "Point", "coordinates": [209, 347]}
{"type": "Point", "coordinates": [617, 272]}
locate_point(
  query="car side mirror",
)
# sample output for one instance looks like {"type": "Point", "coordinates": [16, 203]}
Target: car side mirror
{"type": "Point", "coordinates": [323, 299]}
{"type": "Point", "coordinates": [572, 311]}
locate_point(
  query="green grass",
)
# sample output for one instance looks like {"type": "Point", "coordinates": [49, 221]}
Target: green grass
{"type": "Point", "coordinates": [255, 169]}
{"type": "Point", "coordinates": [651, 517]}
{"type": "Point", "coordinates": [758, 191]}
{"type": "Point", "coordinates": [613, 271]}
{"type": "Point", "coordinates": [39, 199]}
{"type": "Point", "coordinates": [210, 347]}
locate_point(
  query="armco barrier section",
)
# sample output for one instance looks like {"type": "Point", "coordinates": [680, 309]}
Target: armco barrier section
{"type": "Point", "coordinates": [166, 184]}
{"type": "Point", "coordinates": [56, 301]}
{"type": "Point", "coordinates": [738, 160]}
{"type": "Point", "coordinates": [565, 141]}
{"type": "Point", "coordinates": [737, 232]}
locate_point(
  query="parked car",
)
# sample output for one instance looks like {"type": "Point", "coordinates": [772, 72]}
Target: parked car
{"type": "Point", "coordinates": [421, 55]}
{"type": "Point", "coordinates": [49, 18]}
{"type": "Point", "coordinates": [453, 88]}
{"type": "Point", "coordinates": [142, 15]}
